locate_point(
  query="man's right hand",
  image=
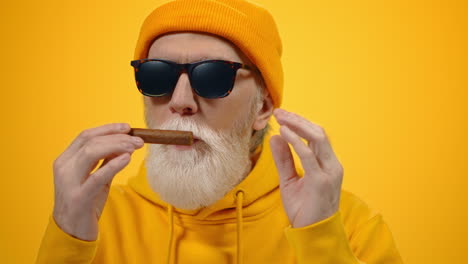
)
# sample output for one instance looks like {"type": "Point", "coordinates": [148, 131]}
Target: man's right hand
{"type": "Point", "coordinates": [80, 195]}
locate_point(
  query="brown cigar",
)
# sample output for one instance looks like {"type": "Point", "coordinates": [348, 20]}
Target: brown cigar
{"type": "Point", "coordinates": [157, 136]}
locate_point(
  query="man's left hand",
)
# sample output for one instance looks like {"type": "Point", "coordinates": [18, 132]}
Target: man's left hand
{"type": "Point", "coordinates": [316, 195]}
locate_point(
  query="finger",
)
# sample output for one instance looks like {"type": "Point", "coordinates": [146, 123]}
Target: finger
{"type": "Point", "coordinates": [314, 134]}
{"type": "Point", "coordinates": [88, 134]}
{"type": "Point", "coordinates": [307, 156]}
{"type": "Point", "coordinates": [104, 162]}
{"type": "Point", "coordinates": [104, 147]}
{"type": "Point", "coordinates": [283, 160]}
{"type": "Point", "coordinates": [104, 175]}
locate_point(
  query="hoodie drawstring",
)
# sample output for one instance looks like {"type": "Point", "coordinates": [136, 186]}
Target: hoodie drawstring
{"type": "Point", "coordinates": [170, 213]}
{"type": "Point", "coordinates": [239, 199]}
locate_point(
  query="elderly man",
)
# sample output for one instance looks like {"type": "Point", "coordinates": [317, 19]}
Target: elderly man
{"type": "Point", "coordinates": [211, 67]}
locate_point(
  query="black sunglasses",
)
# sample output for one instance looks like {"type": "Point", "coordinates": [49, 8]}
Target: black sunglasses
{"type": "Point", "coordinates": [208, 78]}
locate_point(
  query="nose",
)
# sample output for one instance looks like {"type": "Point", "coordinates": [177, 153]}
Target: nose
{"type": "Point", "coordinates": [183, 99]}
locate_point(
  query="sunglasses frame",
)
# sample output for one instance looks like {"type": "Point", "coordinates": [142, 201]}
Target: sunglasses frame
{"type": "Point", "coordinates": [188, 68]}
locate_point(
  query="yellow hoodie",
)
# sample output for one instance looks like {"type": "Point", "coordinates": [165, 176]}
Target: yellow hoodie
{"type": "Point", "coordinates": [243, 227]}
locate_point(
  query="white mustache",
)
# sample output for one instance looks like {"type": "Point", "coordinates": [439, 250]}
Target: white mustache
{"type": "Point", "coordinates": [200, 130]}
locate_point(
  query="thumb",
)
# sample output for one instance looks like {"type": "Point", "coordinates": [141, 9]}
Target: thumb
{"type": "Point", "coordinates": [283, 159]}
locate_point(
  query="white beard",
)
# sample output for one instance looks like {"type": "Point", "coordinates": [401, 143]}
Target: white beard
{"type": "Point", "coordinates": [200, 176]}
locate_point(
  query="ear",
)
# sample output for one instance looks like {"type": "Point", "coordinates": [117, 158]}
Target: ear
{"type": "Point", "coordinates": [264, 113]}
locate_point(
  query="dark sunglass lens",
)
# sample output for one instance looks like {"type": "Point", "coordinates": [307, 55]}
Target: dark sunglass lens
{"type": "Point", "coordinates": [156, 78]}
{"type": "Point", "coordinates": [213, 79]}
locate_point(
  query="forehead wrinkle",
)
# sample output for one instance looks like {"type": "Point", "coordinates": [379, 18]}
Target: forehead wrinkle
{"type": "Point", "coordinates": [192, 57]}
{"type": "Point", "coordinates": [187, 54]}
{"type": "Point", "coordinates": [188, 47]}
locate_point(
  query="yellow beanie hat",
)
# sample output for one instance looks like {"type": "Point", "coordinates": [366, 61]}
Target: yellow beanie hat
{"type": "Point", "coordinates": [250, 27]}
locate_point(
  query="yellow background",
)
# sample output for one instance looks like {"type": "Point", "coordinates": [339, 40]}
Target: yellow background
{"type": "Point", "coordinates": [386, 79]}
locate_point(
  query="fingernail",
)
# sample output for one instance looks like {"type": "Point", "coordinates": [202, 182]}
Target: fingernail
{"type": "Point", "coordinates": [138, 141]}
{"type": "Point", "coordinates": [276, 112]}
{"type": "Point", "coordinates": [282, 112]}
